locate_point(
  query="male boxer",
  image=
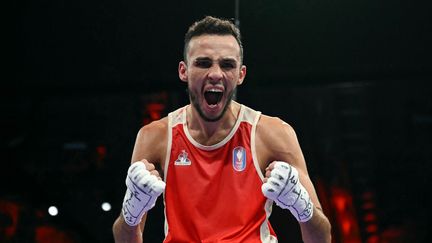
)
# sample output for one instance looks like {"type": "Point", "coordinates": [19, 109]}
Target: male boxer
{"type": "Point", "coordinates": [222, 163]}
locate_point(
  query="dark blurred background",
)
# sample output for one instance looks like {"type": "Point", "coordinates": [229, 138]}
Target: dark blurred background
{"type": "Point", "coordinates": [352, 77]}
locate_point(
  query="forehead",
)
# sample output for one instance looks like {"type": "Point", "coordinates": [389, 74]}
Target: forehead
{"type": "Point", "coordinates": [214, 46]}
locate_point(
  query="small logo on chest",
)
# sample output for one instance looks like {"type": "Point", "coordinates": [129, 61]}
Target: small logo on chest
{"type": "Point", "coordinates": [182, 159]}
{"type": "Point", "coordinates": [239, 158]}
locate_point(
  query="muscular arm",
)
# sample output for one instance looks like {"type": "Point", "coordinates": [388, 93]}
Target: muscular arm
{"type": "Point", "coordinates": [150, 144]}
{"type": "Point", "coordinates": [125, 233]}
{"type": "Point", "coordinates": [277, 141]}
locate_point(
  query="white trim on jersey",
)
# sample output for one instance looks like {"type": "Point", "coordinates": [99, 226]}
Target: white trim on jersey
{"type": "Point", "coordinates": [167, 159]}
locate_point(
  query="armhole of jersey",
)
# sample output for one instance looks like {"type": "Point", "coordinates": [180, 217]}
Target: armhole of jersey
{"type": "Point", "coordinates": [265, 234]}
{"type": "Point", "coordinates": [169, 144]}
{"type": "Point", "coordinates": [167, 159]}
{"type": "Point", "coordinates": [253, 148]}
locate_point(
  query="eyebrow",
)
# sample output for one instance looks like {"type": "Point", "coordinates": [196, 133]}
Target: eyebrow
{"type": "Point", "coordinates": [203, 59]}
{"type": "Point", "coordinates": [224, 59]}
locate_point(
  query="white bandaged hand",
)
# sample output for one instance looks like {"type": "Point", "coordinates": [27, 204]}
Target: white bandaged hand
{"type": "Point", "coordinates": [143, 189]}
{"type": "Point", "coordinates": [283, 187]}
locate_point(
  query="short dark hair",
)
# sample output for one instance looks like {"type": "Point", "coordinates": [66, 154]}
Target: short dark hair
{"type": "Point", "coordinates": [212, 26]}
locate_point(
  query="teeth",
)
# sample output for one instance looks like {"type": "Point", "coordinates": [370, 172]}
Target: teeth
{"type": "Point", "coordinates": [214, 90]}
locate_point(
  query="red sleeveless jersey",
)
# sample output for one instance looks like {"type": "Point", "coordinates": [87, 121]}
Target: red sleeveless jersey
{"type": "Point", "coordinates": [213, 193]}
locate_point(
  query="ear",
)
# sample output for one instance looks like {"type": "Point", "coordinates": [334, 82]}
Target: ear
{"type": "Point", "coordinates": [242, 74]}
{"type": "Point", "coordinates": [182, 71]}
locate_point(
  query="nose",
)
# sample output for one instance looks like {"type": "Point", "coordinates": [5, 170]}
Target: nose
{"type": "Point", "coordinates": [215, 73]}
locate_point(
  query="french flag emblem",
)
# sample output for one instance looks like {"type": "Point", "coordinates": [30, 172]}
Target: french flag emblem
{"type": "Point", "coordinates": [239, 158]}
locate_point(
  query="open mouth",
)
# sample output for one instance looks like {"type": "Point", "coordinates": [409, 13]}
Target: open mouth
{"type": "Point", "coordinates": [213, 96]}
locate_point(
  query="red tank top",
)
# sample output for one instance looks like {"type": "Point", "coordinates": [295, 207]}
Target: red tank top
{"type": "Point", "coordinates": [213, 193]}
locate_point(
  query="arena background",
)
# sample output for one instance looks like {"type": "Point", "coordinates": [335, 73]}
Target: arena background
{"type": "Point", "coordinates": [352, 77]}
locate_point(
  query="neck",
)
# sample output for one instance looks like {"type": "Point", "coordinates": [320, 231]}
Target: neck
{"type": "Point", "coordinates": [208, 133]}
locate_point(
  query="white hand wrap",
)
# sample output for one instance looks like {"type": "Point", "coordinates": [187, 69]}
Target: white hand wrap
{"type": "Point", "coordinates": [283, 187]}
{"type": "Point", "coordinates": [142, 191]}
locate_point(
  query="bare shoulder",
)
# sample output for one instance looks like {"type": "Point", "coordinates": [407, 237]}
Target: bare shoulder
{"type": "Point", "coordinates": [275, 140]}
{"type": "Point", "coordinates": [154, 129]}
{"type": "Point", "coordinates": [151, 142]}
{"type": "Point", "coordinates": [274, 130]}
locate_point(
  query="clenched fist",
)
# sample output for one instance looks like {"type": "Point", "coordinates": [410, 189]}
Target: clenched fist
{"type": "Point", "coordinates": [144, 186]}
{"type": "Point", "coordinates": [282, 185]}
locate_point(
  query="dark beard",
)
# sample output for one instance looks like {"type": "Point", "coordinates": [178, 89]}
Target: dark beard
{"type": "Point", "coordinates": [195, 103]}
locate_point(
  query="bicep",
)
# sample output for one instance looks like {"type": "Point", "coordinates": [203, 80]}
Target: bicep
{"type": "Point", "coordinates": [141, 147]}
{"type": "Point", "coordinates": [149, 144]}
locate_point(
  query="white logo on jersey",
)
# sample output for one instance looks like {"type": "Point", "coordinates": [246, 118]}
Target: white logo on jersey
{"type": "Point", "coordinates": [182, 159]}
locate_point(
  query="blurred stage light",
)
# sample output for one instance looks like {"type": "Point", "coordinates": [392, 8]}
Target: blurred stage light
{"type": "Point", "coordinates": [53, 211]}
{"type": "Point", "coordinates": [106, 206]}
